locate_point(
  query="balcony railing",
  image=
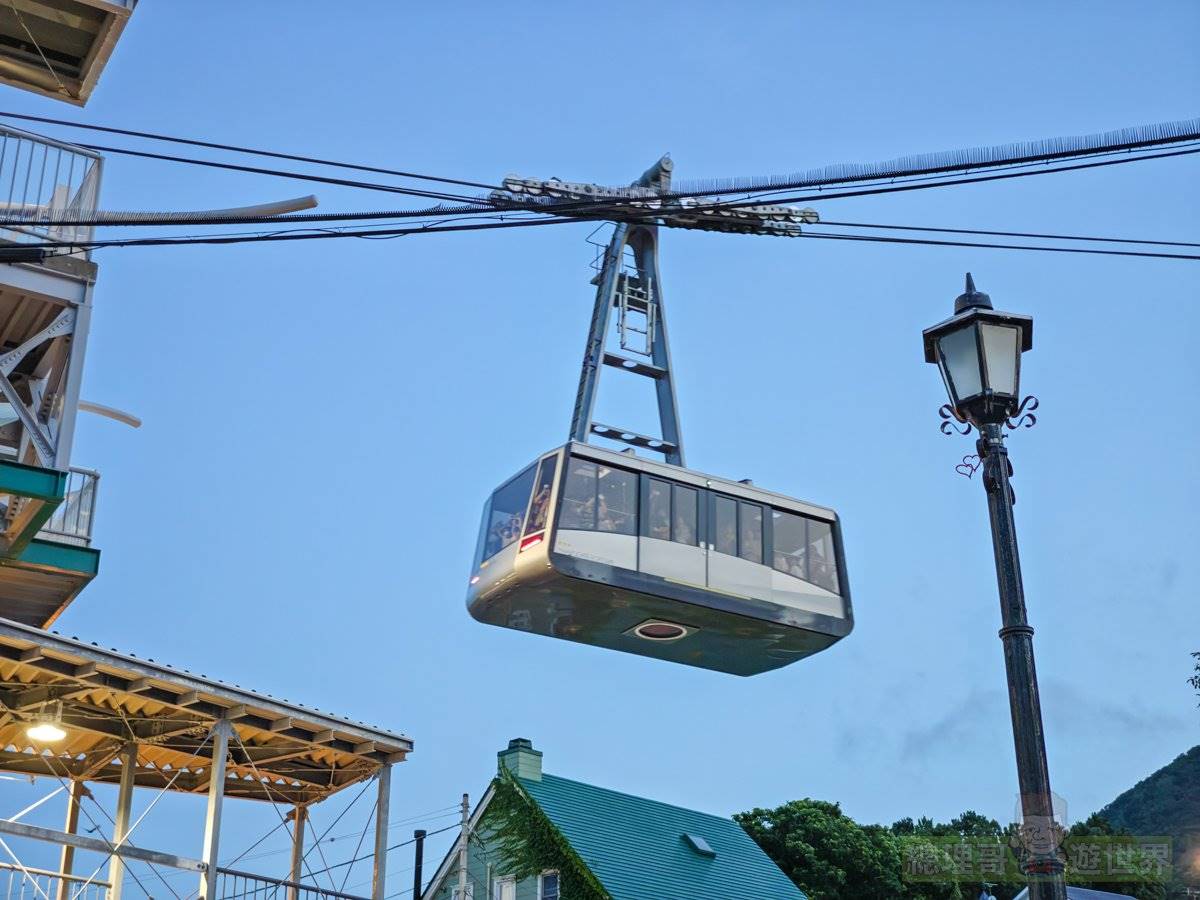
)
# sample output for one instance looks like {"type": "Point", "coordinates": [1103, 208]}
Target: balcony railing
{"type": "Point", "coordinates": [71, 523]}
{"type": "Point", "coordinates": [234, 885]}
{"type": "Point", "coordinates": [45, 180]}
{"type": "Point", "coordinates": [24, 883]}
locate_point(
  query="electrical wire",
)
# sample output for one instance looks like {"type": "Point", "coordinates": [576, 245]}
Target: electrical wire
{"type": "Point", "coordinates": [586, 209]}
{"type": "Point", "coordinates": [640, 210]}
{"type": "Point", "coordinates": [356, 859]}
{"type": "Point", "coordinates": [1022, 153]}
{"type": "Point", "coordinates": [480, 226]}
{"type": "Point", "coordinates": [299, 176]}
{"type": "Point", "coordinates": [929, 242]}
{"type": "Point", "coordinates": [1023, 234]}
{"type": "Point", "coordinates": [192, 142]}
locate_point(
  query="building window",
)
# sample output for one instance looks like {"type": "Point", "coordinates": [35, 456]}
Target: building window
{"type": "Point", "coordinates": [504, 888]}
{"type": "Point", "coordinates": [548, 886]}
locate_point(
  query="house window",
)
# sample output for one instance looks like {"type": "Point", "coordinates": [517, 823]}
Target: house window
{"type": "Point", "coordinates": [505, 888]}
{"type": "Point", "coordinates": [548, 886]}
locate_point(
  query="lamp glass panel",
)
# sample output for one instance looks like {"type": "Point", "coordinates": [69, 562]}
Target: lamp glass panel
{"type": "Point", "coordinates": [960, 363]}
{"type": "Point", "coordinates": [1001, 348]}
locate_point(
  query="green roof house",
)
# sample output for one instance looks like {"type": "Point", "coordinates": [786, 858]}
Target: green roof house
{"type": "Point", "coordinates": [536, 836]}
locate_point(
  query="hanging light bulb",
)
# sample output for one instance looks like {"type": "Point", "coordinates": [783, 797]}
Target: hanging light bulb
{"type": "Point", "coordinates": [47, 727]}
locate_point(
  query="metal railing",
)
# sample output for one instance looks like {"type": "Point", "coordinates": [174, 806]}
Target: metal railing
{"type": "Point", "coordinates": [234, 885]}
{"type": "Point", "coordinates": [25, 883]}
{"type": "Point", "coordinates": [43, 179]}
{"type": "Point", "coordinates": [72, 521]}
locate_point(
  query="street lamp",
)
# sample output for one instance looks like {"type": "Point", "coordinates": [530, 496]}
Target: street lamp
{"type": "Point", "coordinates": [978, 351]}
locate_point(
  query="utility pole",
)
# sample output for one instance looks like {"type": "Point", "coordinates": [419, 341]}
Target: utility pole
{"type": "Point", "coordinates": [462, 848]}
{"type": "Point", "coordinates": [418, 863]}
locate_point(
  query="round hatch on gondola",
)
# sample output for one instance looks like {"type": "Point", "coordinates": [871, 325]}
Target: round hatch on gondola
{"type": "Point", "coordinates": [657, 630]}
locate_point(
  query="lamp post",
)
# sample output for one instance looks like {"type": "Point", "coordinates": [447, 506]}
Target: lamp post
{"type": "Point", "coordinates": [978, 351]}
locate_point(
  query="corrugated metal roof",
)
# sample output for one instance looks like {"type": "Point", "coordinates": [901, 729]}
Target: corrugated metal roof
{"type": "Point", "coordinates": [281, 751]}
{"type": "Point", "coordinates": [638, 849]}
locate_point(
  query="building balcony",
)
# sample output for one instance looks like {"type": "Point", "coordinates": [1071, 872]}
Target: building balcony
{"type": "Point", "coordinates": [46, 557]}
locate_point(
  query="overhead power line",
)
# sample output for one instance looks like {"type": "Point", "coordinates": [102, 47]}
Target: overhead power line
{"type": "Point", "coordinates": [274, 154]}
{"type": "Point", "coordinates": [1049, 150]}
{"type": "Point", "coordinates": [300, 176]}
{"type": "Point", "coordinates": [583, 210]}
{"type": "Point", "coordinates": [1021, 234]}
{"type": "Point", "coordinates": [480, 226]}
{"type": "Point", "coordinates": [640, 208]}
{"type": "Point", "coordinates": [924, 164]}
{"type": "Point", "coordinates": [934, 243]}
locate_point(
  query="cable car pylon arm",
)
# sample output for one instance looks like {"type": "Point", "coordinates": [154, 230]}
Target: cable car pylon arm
{"type": "Point", "coordinates": [633, 290]}
{"type": "Point", "coordinates": [648, 200]}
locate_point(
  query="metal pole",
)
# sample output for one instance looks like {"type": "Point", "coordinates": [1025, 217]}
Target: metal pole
{"type": "Point", "coordinates": [116, 866]}
{"type": "Point", "coordinates": [462, 849]}
{"type": "Point", "coordinates": [418, 862]}
{"type": "Point", "coordinates": [212, 819]}
{"type": "Point", "coordinates": [382, 813]}
{"type": "Point", "coordinates": [66, 860]}
{"type": "Point", "coordinates": [1042, 865]}
{"type": "Point", "coordinates": [299, 817]}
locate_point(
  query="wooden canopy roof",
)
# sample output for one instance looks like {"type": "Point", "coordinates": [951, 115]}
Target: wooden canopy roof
{"type": "Point", "coordinates": [280, 751]}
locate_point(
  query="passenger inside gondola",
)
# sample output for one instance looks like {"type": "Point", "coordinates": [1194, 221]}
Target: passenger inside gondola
{"type": "Point", "coordinates": [539, 509]}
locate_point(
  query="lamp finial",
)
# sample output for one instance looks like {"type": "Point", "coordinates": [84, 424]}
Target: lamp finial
{"type": "Point", "coordinates": [971, 298]}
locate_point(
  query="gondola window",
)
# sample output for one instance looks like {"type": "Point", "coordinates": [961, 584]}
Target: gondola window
{"type": "Point", "coordinates": [599, 498]}
{"type": "Point", "coordinates": [539, 508]}
{"type": "Point", "coordinates": [725, 538]}
{"type": "Point", "coordinates": [683, 518]}
{"type": "Point", "coordinates": [506, 513]}
{"type": "Point", "coordinates": [671, 512]}
{"type": "Point", "coordinates": [750, 532]}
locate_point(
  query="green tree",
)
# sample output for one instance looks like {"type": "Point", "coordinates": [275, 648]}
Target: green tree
{"type": "Point", "coordinates": [831, 857]}
{"type": "Point", "coordinates": [1194, 681]}
{"type": "Point", "coordinates": [827, 854]}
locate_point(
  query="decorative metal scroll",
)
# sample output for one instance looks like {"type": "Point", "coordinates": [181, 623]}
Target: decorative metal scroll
{"type": "Point", "coordinates": [949, 416]}
{"type": "Point", "coordinates": [1024, 417]}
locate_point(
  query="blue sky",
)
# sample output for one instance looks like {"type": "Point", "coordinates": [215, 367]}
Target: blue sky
{"type": "Point", "coordinates": [324, 420]}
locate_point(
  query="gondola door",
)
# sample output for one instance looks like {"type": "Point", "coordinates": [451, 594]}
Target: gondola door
{"type": "Point", "coordinates": [671, 540]}
{"type": "Point", "coordinates": [737, 541]}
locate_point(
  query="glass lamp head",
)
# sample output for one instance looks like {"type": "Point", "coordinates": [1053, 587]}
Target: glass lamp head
{"type": "Point", "coordinates": [978, 351]}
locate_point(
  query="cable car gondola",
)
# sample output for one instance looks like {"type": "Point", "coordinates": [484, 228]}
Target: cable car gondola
{"type": "Point", "coordinates": [611, 549]}
{"type": "Point", "coordinates": [631, 554]}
